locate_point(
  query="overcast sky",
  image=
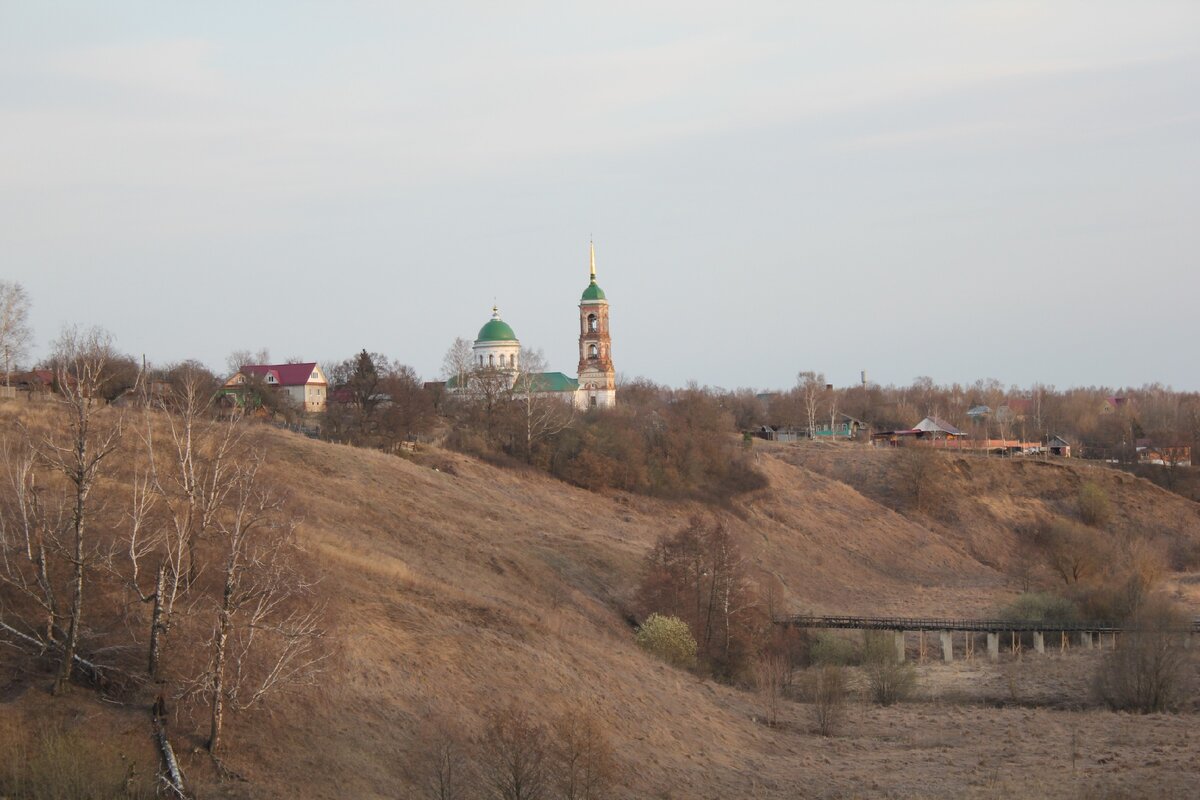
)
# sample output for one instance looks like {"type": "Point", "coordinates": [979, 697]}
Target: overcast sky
{"type": "Point", "coordinates": [960, 189]}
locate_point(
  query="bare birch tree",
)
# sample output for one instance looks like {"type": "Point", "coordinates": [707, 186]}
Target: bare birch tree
{"type": "Point", "coordinates": [582, 757]}
{"type": "Point", "coordinates": [15, 334]}
{"type": "Point", "coordinates": [456, 364]}
{"type": "Point", "coordinates": [178, 497]}
{"type": "Point", "coordinates": [833, 413]}
{"type": "Point", "coordinates": [811, 386]}
{"type": "Point", "coordinates": [542, 412]}
{"type": "Point", "coordinates": [265, 633]}
{"type": "Point", "coordinates": [77, 449]}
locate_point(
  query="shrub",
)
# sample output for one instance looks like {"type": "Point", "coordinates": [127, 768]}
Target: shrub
{"type": "Point", "coordinates": [829, 698]}
{"type": "Point", "coordinates": [832, 649]}
{"type": "Point", "coordinates": [700, 576]}
{"type": "Point", "coordinates": [514, 756]}
{"type": "Point", "coordinates": [1041, 607]}
{"type": "Point", "coordinates": [1074, 552]}
{"type": "Point", "coordinates": [1094, 508]}
{"type": "Point", "coordinates": [669, 638]}
{"type": "Point", "coordinates": [889, 679]}
{"type": "Point", "coordinates": [770, 678]}
{"type": "Point", "coordinates": [584, 767]}
{"type": "Point", "coordinates": [1149, 671]}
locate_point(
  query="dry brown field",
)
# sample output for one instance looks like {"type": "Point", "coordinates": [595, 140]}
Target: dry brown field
{"type": "Point", "coordinates": [455, 587]}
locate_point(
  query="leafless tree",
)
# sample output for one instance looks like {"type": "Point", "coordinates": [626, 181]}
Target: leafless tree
{"type": "Point", "coordinates": [440, 767]}
{"type": "Point", "coordinates": [919, 473]}
{"type": "Point", "coordinates": [15, 333]}
{"type": "Point", "coordinates": [456, 364]}
{"type": "Point", "coordinates": [1150, 671]}
{"type": "Point", "coordinates": [30, 541]}
{"type": "Point", "coordinates": [514, 760]}
{"type": "Point", "coordinates": [811, 386]}
{"type": "Point", "coordinates": [240, 358]}
{"type": "Point", "coordinates": [829, 698]}
{"type": "Point", "coordinates": [177, 498]}
{"type": "Point", "coordinates": [78, 450]}
{"type": "Point", "coordinates": [833, 411]}
{"type": "Point", "coordinates": [266, 633]}
{"type": "Point", "coordinates": [487, 397]}
{"type": "Point", "coordinates": [542, 413]}
{"type": "Point", "coordinates": [770, 677]}
{"type": "Point", "coordinates": [583, 761]}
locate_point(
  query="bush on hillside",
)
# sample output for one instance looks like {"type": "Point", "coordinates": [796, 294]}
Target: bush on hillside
{"type": "Point", "coordinates": [890, 679]}
{"type": "Point", "coordinates": [658, 442]}
{"type": "Point", "coordinates": [1073, 552]}
{"type": "Point", "coordinates": [829, 648]}
{"type": "Point", "coordinates": [828, 693]}
{"type": "Point", "coordinates": [700, 576]}
{"type": "Point", "coordinates": [1094, 507]}
{"type": "Point", "coordinates": [1041, 607]}
{"type": "Point", "coordinates": [1151, 669]}
{"type": "Point", "coordinates": [668, 638]}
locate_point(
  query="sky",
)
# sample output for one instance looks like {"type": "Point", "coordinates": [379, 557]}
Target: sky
{"type": "Point", "coordinates": [1004, 190]}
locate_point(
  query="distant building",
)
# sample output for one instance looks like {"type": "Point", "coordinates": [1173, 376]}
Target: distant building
{"type": "Point", "coordinates": [1113, 404]}
{"type": "Point", "coordinates": [1058, 446]}
{"type": "Point", "coordinates": [1168, 455]}
{"type": "Point", "coordinates": [305, 385]}
{"type": "Point", "coordinates": [498, 348]}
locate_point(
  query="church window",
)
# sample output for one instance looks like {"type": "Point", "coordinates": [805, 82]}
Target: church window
{"type": "Point", "coordinates": [491, 360]}
{"type": "Point", "coordinates": [593, 352]}
{"type": "Point", "coordinates": [592, 401]}
{"type": "Point", "coordinates": [592, 323]}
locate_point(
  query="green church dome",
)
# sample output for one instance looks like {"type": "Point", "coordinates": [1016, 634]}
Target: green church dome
{"type": "Point", "coordinates": [593, 291]}
{"type": "Point", "coordinates": [496, 330]}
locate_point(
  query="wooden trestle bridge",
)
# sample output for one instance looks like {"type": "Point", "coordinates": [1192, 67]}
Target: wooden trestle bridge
{"type": "Point", "coordinates": [1087, 634]}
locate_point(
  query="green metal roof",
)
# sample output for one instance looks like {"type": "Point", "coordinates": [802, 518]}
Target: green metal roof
{"type": "Point", "coordinates": [593, 291]}
{"type": "Point", "coordinates": [552, 382]}
{"type": "Point", "coordinates": [496, 330]}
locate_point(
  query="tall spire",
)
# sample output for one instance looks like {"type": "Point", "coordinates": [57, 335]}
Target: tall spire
{"type": "Point", "coordinates": [592, 254]}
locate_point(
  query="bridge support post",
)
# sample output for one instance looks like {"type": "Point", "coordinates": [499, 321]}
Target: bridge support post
{"type": "Point", "coordinates": [1085, 640]}
{"type": "Point", "coordinates": [947, 646]}
{"type": "Point", "coordinates": [993, 647]}
{"type": "Point", "coordinates": [900, 646]}
{"type": "Point", "coordinates": [1039, 642]}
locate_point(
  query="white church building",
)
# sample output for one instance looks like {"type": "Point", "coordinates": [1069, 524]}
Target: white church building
{"type": "Point", "coordinates": [498, 348]}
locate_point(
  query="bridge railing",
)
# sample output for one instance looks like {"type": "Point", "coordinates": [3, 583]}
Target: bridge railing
{"type": "Point", "coordinates": [960, 624]}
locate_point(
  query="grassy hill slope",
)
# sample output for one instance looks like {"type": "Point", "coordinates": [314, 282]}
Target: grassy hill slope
{"type": "Point", "coordinates": [455, 586]}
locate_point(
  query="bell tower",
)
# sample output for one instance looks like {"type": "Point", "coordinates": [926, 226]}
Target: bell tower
{"type": "Point", "coordinates": [597, 378]}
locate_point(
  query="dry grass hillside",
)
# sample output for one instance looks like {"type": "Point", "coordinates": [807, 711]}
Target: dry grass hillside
{"type": "Point", "coordinates": [455, 587]}
{"type": "Point", "coordinates": [984, 505]}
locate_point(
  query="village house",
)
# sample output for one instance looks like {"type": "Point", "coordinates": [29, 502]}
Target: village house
{"type": "Point", "coordinates": [1169, 455]}
{"type": "Point", "coordinates": [1058, 446]}
{"type": "Point", "coordinates": [847, 427]}
{"type": "Point", "coordinates": [304, 384]}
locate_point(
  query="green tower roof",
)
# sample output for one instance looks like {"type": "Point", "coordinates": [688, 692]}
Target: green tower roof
{"type": "Point", "coordinates": [593, 292]}
{"type": "Point", "coordinates": [496, 330]}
